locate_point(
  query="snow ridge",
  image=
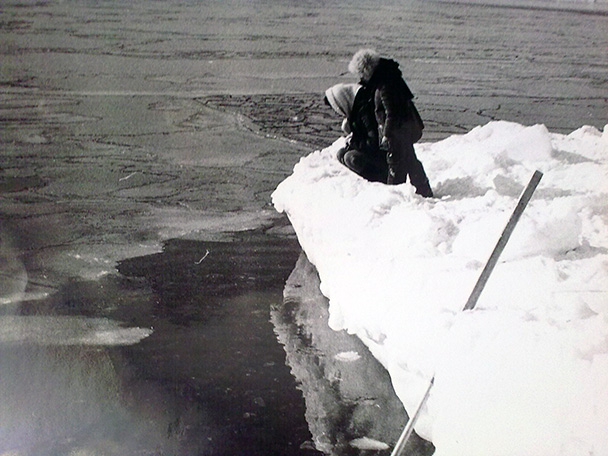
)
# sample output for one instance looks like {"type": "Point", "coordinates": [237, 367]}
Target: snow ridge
{"type": "Point", "coordinates": [526, 372]}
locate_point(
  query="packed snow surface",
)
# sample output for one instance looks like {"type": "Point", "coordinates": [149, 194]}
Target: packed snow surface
{"type": "Point", "coordinates": [526, 371]}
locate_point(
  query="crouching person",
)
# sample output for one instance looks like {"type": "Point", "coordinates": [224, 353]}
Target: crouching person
{"type": "Point", "coordinates": [362, 153]}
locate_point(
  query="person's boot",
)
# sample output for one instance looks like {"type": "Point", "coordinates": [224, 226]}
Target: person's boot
{"type": "Point", "coordinates": [419, 180]}
{"type": "Point", "coordinates": [424, 190]}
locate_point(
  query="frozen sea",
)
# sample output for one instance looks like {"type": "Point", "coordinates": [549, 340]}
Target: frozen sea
{"type": "Point", "coordinates": [143, 268]}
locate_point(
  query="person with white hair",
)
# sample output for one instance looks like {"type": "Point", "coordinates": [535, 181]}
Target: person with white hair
{"type": "Point", "coordinates": [398, 119]}
{"type": "Point", "coordinates": [362, 153]}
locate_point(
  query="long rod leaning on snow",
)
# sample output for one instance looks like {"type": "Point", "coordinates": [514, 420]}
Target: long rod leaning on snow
{"type": "Point", "coordinates": [502, 241]}
{"type": "Point", "coordinates": [472, 301]}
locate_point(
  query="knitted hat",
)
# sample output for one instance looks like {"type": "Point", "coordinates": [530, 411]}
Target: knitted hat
{"type": "Point", "coordinates": [364, 63]}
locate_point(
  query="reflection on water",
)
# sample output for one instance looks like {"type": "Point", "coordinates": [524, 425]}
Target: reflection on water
{"type": "Point", "coordinates": [179, 356]}
{"type": "Point", "coordinates": [350, 404]}
{"type": "Point", "coordinates": [213, 344]}
{"type": "Point", "coordinates": [192, 368]}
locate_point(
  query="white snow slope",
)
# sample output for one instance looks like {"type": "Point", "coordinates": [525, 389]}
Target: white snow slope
{"type": "Point", "coordinates": [526, 371]}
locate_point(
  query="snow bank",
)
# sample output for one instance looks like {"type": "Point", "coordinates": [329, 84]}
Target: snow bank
{"type": "Point", "coordinates": [525, 372]}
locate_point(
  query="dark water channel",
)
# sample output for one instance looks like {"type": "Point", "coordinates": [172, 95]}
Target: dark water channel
{"type": "Point", "coordinates": [219, 311]}
{"type": "Point", "coordinates": [213, 348]}
{"type": "Point", "coordinates": [239, 361]}
{"type": "Point", "coordinates": [211, 378]}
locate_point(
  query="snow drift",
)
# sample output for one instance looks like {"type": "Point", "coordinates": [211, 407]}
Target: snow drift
{"type": "Point", "coordinates": [525, 372]}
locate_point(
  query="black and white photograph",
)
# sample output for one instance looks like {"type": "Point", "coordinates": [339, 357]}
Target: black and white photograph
{"type": "Point", "coordinates": [304, 228]}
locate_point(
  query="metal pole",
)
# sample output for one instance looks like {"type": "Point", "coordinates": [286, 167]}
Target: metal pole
{"type": "Point", "coordinates": [502, 241]}
{"type": "Point", "coordinates": [409, 427]}
{"type": "Point", "coordinates": [472, 301]}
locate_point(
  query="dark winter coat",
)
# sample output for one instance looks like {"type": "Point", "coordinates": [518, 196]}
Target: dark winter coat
{"type": "Point", "coordinates": [363, 154]}
{"type": "Point", "coordinates": [399, 123]}
{"type": "Point", "coordinates": [363, 124]}
{"type": "Point", "coordinates": [395, 111]}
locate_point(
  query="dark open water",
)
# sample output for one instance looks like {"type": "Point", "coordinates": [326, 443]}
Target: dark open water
{"type": "Point", "coordinates": [214, 348]}
{"type": "Point", "coordinates": [211, 378]}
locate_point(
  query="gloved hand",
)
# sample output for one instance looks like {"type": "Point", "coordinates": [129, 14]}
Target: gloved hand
{"type": "Point", "coordinates": [348, 140]}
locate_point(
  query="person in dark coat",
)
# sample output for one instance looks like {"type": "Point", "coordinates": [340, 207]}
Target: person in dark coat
{"type": "Point", "coordinates": [398, 119]}
{"type": "Point", "coordinates": [362, 153]}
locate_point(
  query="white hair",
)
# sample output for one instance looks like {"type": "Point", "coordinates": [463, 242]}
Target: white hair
{"type": "Point", "coordinates": [364, 63]}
